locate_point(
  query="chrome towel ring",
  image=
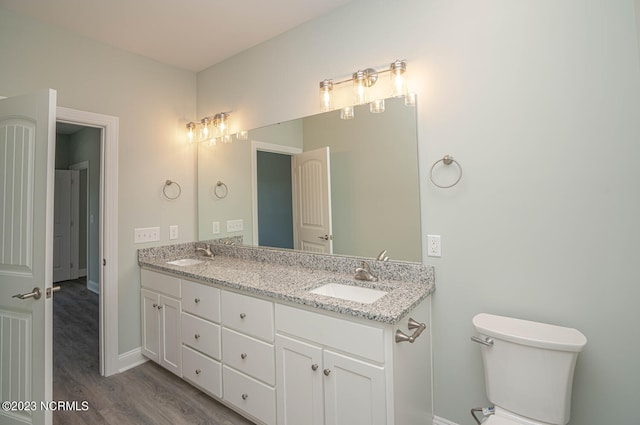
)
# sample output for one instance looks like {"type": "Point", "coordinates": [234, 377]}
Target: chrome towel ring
{"type": "Point", "coordinates": [220, 190]}
{"type": "Point", "coordinates": [446, 160]}
{"type": "Point", "coordinates": [166, 185]}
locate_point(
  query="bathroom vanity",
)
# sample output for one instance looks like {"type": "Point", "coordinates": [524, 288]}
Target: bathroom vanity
{"type": "Point", "coordinates": [246, 328]}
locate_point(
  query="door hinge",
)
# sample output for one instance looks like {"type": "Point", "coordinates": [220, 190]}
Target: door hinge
{"type": "Point", "coordinates": [104, 261]}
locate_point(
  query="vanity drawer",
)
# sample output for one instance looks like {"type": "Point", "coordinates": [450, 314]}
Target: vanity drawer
{"type": "Point", "coordinates": [201, 335]}
{"type": "Point", "coordinates": [202, 371]}
{"type": "Point", "coordinates": [201, 300]}
{"type": "Point", "coordinates": [248, 315]}
{"type": "Point", "coordinates": [160, 283]}
{"type": "Point", "coordinates": [345, 335]}
{"type": "Point", "coordinates": [255, 398]}
{"type": "Point", "coordinates": [249, 355]}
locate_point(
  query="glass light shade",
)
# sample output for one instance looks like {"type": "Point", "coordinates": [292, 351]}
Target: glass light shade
{"type": "Point", "coordinates": [360, 88]}
{"type": "Point", "coordinates": [190, 130]}
{"type": "Point", "coordinates": [326, 87]}
{"type": "Point", "coordinates": [410, 99]}
{"type": "Point", "coordinates": [377, 106]}
{"type": "Point", "coordinates": [205, 131]}
{"type": "Point", "coordinates": [398, 78]}
{"type": "Point", "coordinates": [347, 113]}
{"type": "Point", "coordinates": [221, 122]}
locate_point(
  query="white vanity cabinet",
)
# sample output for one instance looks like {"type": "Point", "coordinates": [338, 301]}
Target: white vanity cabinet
{"type": "Point", "coordinates": [248, 355]}
{"type": "Point", "coordinates": [201, 337]}
{"type": "Point", "coordinates": [337, 371]}
{"type": "Point", "coordinates": [160, 305]}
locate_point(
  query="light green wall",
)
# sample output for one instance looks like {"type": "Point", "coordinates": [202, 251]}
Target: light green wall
{"type": "Point", "coordinates": [539, 101]}
{"type": "Point", "coordinates": [152, 102]}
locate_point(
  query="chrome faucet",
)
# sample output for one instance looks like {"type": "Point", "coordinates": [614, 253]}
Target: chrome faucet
{"type": "Point", "coordinates": [206, 251]}
{"type": "Point", "coordinates": [364, 273]}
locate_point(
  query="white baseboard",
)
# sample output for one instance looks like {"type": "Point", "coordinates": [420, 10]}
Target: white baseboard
{"type": "Point", "coordinates": [441, 421]}
{"type": "Point", "coordinates": [131, 359]}
{"type": "Point", "coordinates": [93, 286]}
{"type": "Point", "coordinates": [82, 272]}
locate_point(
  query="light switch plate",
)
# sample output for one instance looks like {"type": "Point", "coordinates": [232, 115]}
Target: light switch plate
{"type": "Point", "coordinates": [235, 225]}
{"type": "Point", "coordinates": [146, 234]}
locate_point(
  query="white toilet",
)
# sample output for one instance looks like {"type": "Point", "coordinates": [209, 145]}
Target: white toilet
{"type": "Point", "coordinates": [528, 369]}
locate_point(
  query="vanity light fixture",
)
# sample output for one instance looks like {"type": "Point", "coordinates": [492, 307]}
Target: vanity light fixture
{"type": "Point", "coordinates": [347, 113]}
{"type": "Point", "coordinates": [377, 106]}
{"type": "Point", "coordinates": [362, 80]}
{"type": "Point", "coordinates": [210, 129]}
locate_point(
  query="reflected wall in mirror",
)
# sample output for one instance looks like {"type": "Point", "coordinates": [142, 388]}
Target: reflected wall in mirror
{"type": "Point", "coordinates": [372, 195]}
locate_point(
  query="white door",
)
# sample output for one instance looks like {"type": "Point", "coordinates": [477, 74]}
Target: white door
{"type": "Point", "coordinates": [354, 391]}
{"type": "Point", "coordinates": [299, 374]}
{"type": "Point", "coordinates": [27, 143]}
{"type": "Point", "coordinates": [65, 227]}
{"type": "Point", "coordinates": [312, 230]}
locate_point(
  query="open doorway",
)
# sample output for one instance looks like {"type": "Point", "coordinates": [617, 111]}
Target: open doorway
{"type": "Point", "coordinates": [101, 223]}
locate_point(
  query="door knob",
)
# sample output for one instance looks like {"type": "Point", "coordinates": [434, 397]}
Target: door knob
{"type": "Point", "coordinates": [35, 294]}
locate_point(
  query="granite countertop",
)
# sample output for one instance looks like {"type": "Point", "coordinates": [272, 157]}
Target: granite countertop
{"type": "Point", "coordinates": [279, 275]}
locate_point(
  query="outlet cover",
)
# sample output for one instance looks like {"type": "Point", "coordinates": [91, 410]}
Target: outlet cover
{"type": "Point", "coordinates": [173, 232]}
{"type": "Point", "coordinates": [433, 246]}
{"type": "Point", "coordinates": [215, 227]}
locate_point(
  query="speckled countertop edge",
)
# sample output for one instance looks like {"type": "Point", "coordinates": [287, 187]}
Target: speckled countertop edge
{"type": "Point", "coordinates": [289, 276]}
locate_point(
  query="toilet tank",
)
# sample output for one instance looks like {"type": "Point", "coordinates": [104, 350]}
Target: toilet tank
{"type": "Point", "coordinates": [529, 368]}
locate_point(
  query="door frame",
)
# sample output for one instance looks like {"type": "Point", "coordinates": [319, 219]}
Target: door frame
{"type": "Point", "coordinates": [108, 229]}
{"type": "Point", "coordinates": [264, 147]}
{"type": "Point", "coordinates": [79, 166]}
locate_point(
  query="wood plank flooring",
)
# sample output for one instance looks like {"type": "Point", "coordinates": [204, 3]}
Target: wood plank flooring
{"type": "Point", "coordinates": [147, 394]}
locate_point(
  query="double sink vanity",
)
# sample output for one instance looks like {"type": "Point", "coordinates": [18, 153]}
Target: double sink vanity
{"type": "Point", "coordinates": [286, 337]}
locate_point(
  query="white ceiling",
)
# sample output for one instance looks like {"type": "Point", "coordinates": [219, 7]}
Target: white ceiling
{"type": "Point", "coordinates": [189, 34]}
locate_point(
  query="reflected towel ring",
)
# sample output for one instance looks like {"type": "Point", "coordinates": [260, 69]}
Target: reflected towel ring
{"type": "Point", "coordinates": [220, 187]}
{"type": "Point", "coordinates": [166, 185]}
{"type": "Point", "coordinates": [446, 160]}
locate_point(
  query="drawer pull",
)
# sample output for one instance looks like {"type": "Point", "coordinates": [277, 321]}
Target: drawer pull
{"type": "Point", "coordinates": [242, 315]}
{"type": "Point", "coordinates": [197, 336]}
{"type": "Point", "coordinates": [245, 396]}
{"type": "Point", "coordinates": [243, 356]}
{"type": "Point", "coordinates": [197, 300]}
{"type": "Point", "coordinates": [314, 367]}
{"type": "Point", "coordinates": [198, 371]}
{"type": "Point", "coordinates": [326, 372]}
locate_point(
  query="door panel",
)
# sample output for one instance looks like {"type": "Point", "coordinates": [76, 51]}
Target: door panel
{"type": "Point", "coordinates": [312, 201]}
{"type": "Point", "coordinates": [27, 134]}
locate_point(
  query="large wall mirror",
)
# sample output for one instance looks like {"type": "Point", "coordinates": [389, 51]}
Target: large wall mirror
{"type": "Point", "coordinates": [319, 184]}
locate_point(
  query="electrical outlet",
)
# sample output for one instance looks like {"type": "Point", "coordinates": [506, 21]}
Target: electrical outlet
{"type": "Point", "coordinates": [235, 225]}
{"type": "Point", "coordinates": [433, 246]}
{"type": "Point", "coordinates": [146, 234]}
{"type": "Point", "coordinates": [173, 232]}
{"type": "Point", "coordinates": [216, 227]}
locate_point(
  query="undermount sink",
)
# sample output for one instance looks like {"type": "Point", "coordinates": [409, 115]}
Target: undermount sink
{"type": "Point", "coordinates": [350, 292]}
{"type": "Point", "coordinates": [185, 262]}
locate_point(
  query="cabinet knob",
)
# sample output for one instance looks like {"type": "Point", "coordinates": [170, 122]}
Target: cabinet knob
{"type": "Point", "coordinates": [198, 371]}
{"type": "Point", "coordinates": [245, 396]}
{"type": "Point", "coordinates": [159, 307]}
{"type": "Point", "coordinates": [242, 315]}
{"type": "Point", "coordinates": [243, 356]}
{"type": "Point", "coordinates": [197, 300]}
{"type": "Point", "coordinates": [326, 372]}
{"type": "Point", "coordinates": [314, 367]}
{"type": "Point", "coordinates": [155, 305]}
{"type": "Point", "coordinates": [197, 336]}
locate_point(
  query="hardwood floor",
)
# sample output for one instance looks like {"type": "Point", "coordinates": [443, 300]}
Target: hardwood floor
{"type": "Point", "coordinates": [147, 394]}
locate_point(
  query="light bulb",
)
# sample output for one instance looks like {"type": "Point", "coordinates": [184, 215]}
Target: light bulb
{"type": "Point", "coordinates": [398, 78]}
{"type": "Point", "coordinates": [326, 87]}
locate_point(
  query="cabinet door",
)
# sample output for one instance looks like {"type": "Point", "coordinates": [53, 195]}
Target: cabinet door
{"type": "Point", "coordinates": [354, 391]}
{"type": "Point", "coordinates": [150, 325]}
{"type": "Point", "coordinates": [299, 378]}
{"type": "Point", "coordinates": [170, 336]}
